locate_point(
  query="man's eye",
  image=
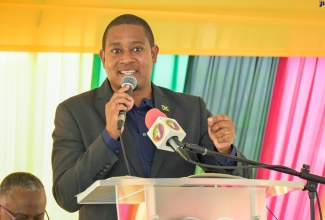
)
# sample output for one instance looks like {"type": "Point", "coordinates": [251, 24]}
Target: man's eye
{"type": "Point", "coordinates": [137, 49]}
{"type": "Point", "coordinates": [116, 51]}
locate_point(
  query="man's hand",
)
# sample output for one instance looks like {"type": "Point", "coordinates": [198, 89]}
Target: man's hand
{"type": "Point", "coordinates": [119, 101]}
{"type": "Point", "coordinates": [222, 132]}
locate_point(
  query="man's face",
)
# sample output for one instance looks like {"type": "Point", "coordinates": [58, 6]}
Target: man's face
{"type": "Point", "coordinates": [23, 204]}
{"type": "Point", "coordinates": [128, 51]}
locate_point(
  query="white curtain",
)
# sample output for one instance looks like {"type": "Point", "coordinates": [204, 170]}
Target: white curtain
{"type": "Point", "coordinates": [31, 86]}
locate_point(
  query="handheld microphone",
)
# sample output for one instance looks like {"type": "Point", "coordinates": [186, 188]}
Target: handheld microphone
{"type": "Point", "coordinates": [132, 82]}
{"type": "Point", "coordinates": [165, 132]}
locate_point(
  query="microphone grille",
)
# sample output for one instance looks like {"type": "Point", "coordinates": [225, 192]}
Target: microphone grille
{"type": "Point", "coordinates": [129, 80]}
{"type": "Point", "coordinates": [152, 116]}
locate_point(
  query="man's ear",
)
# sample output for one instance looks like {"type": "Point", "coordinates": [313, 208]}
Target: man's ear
{"type": "Point", "coordinates": [154, 53]}
{"type": "Point", "coordinates": [102, 56]}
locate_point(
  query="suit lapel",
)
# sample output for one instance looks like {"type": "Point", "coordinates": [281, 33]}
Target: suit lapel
{"type": "Point", "coordinates": [131, 152]}
{"type": "Point", "coordinates": [161, 101]}
{"type": "Point", "coordinates": [162, 104]}
{"type": "Point", "coordinates": [104, 94]}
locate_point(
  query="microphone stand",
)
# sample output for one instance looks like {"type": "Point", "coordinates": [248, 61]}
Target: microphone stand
{"type": "Point", "coordinates": [312, 180]}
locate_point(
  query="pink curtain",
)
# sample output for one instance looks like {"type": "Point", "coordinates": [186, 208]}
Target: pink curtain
{"type": "Point", "coordinates": [295, 132]}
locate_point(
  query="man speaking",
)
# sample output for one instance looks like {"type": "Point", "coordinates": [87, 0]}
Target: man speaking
{"type": "Point", "coordinates": [87, 141]}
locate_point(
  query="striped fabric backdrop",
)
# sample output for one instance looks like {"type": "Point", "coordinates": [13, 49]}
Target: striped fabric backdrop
{"type": "Point", "coordinates": [295, 130]}
{"type": "Point", "coordinates": [278, 106]}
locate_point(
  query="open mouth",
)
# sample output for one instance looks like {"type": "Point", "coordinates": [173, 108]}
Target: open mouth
{"type": "Point", "coordinates": [127, 72]}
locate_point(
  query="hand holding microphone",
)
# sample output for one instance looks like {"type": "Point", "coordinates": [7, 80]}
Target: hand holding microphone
{"type": "Point", "coordinates": [120, 103]}
{"type": "Point", "coordinates": [130, 81]}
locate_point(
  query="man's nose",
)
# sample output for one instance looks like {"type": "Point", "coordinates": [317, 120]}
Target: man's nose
{"type": "Point", "coordinates": [127, 57]}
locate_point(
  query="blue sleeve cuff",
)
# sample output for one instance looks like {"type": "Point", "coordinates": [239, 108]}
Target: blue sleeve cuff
{"type": "Point", "coordinates": [228, 162]}
{"type": "Point", "coordinates": [111, 143]}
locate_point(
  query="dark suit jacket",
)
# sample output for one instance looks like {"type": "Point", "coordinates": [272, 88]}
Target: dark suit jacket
{"type": "Point", "coordinates": [80, 156]}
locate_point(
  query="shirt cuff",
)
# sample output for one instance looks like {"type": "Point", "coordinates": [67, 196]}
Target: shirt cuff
{"type": "Point", "coordinates": [111, 143]}
{"type": "Point", "coordinates": [228, 162]}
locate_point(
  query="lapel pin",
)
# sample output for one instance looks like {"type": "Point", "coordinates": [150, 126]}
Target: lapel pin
{"type": "Point", "coordinates": [165, 108]}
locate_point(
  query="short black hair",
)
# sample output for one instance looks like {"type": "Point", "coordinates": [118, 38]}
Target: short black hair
{"type": "Point", "coordinates": [130, 19]}
{"type": "Point", "coordinates": [21, 180]}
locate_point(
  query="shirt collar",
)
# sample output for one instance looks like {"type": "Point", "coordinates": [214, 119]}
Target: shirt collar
{"type": "Point", "coordinates": [146, 102]}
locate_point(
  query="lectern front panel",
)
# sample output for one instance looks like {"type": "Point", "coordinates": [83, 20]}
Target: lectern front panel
{"type": "Point", "coordinates": [208, 203]}
{"type": "Point", "coordinates": [202, 203]}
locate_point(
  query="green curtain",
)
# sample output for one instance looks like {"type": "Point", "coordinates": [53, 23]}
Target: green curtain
{"type": "Point", "coordinates": [239, 87]}
{"type": "Point", "coordinates": [98, 73]}
{"type": "Point", "coordinates": [168, 72]}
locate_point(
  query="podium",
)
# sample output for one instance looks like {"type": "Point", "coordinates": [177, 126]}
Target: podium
{"type": "Point", "coordinates": [199, 197]}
